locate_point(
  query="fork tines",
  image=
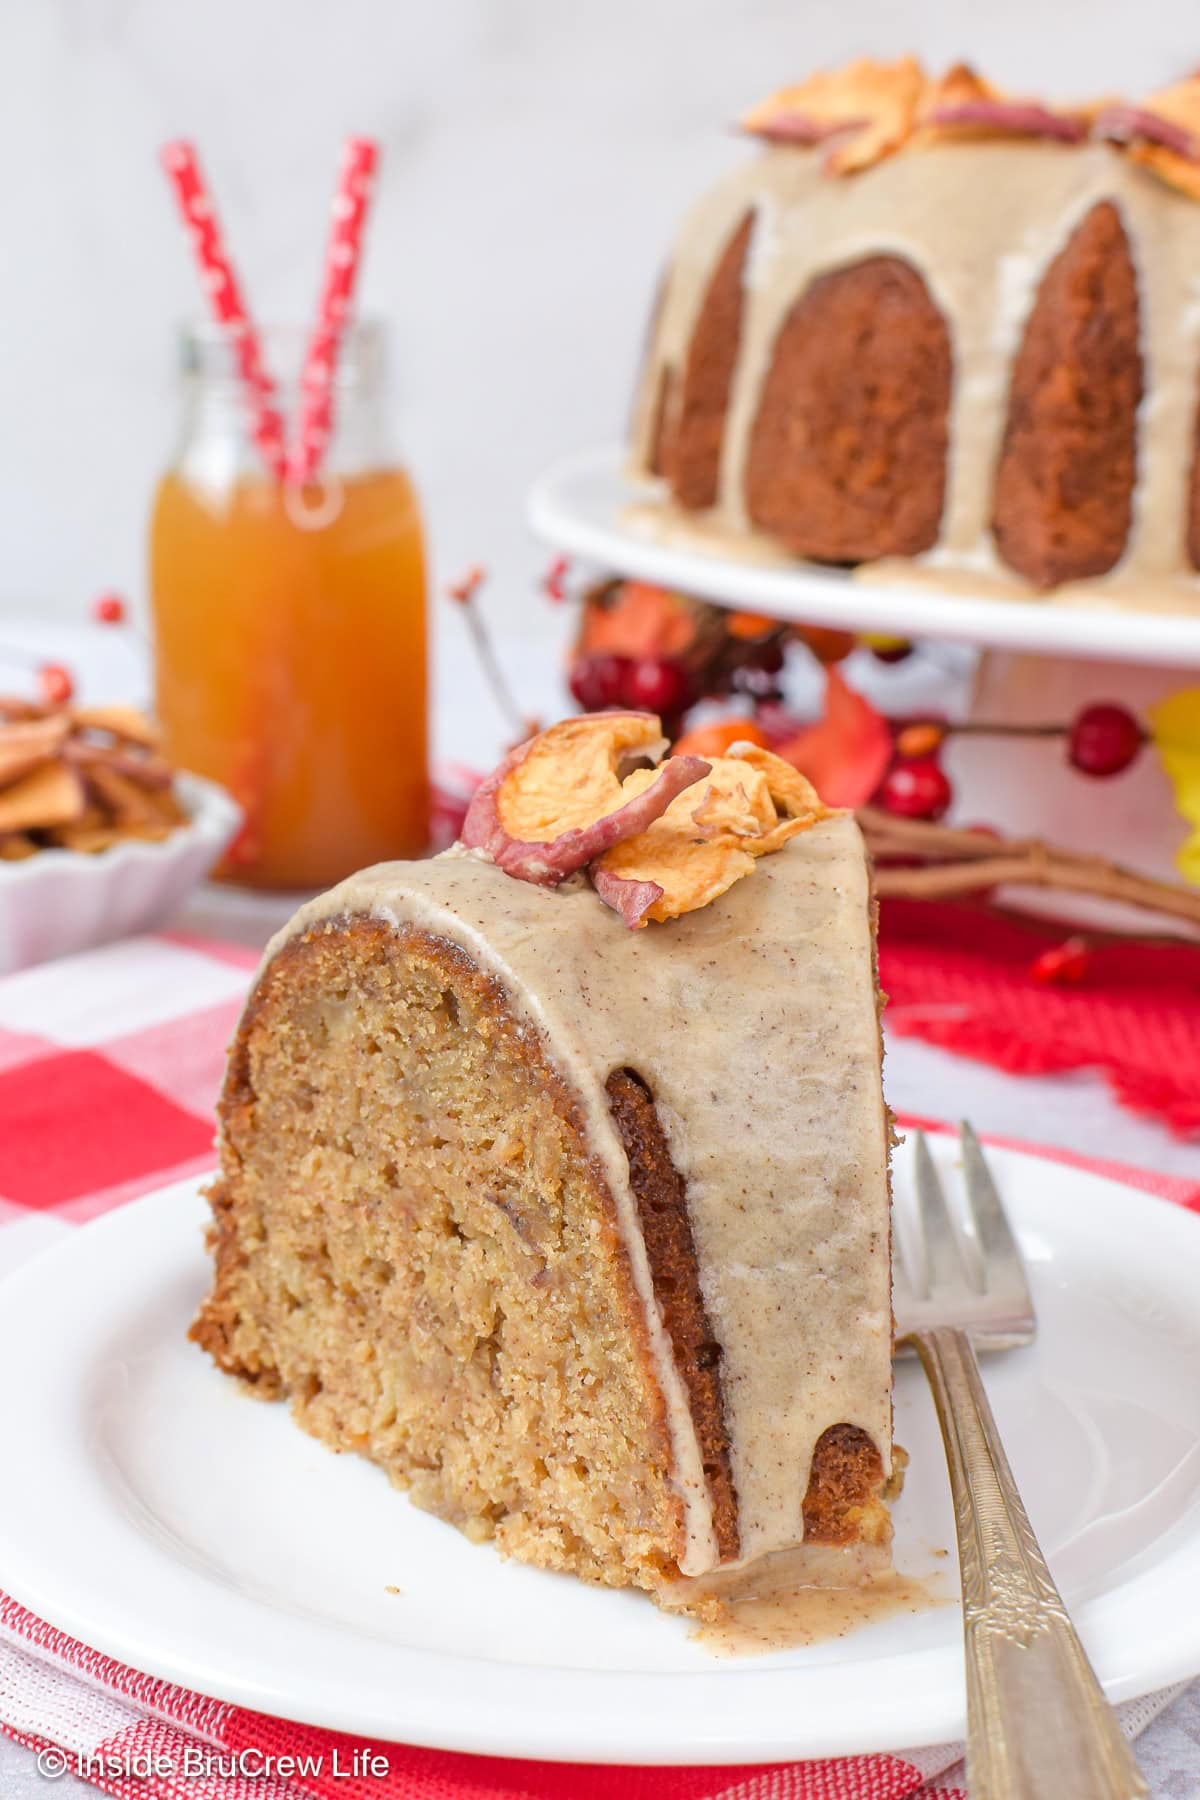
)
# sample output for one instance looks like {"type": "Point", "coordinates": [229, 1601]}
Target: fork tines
{"type": "Point", "coordinates": [959, 1263]}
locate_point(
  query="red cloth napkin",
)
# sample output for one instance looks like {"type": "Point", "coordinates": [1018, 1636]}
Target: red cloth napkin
{"type": "Point", "coordinates": [960, 977]}
{"type": "Point", "coordinates": [109, 1067]}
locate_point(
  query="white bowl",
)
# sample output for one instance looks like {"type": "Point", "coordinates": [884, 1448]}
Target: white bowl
{"type": "Point", "coordinates": [58, 901]}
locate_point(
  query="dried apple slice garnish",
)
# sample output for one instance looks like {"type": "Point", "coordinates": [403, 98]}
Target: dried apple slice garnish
{"type": "Point", "coordinates": [1122, 124]}
{"type": "Point", "coordinates": [26, 744]}
{"type": "Point", "coordinates": [1162, 134]}
{"type": "Point", "coordinates": [868, 105]}
{"type": "Point", "coordinates": [125, 723]}
{"type": "Point", "coordinates": [80, 778]}
{"type": "Point", "coordinates": [148, 771]}
{"type": "Point", "coordinates": [961, 104]}
{"type": "Point", "coordinates": [749, 804]}
{"type": "Point", "coordinates": [559, 801]}
{"type": "Point", "coordinates": [51, 795]}
{"type": "Point", "coordinates": [796, 801]}
{"type": "Point", "coordinates": [631, 899]}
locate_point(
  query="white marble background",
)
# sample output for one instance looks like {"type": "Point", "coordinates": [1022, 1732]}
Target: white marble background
{"type": "Point", "coordinates": [537, 156]}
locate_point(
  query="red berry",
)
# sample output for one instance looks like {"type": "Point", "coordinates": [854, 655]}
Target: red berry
{"type": "Point", "coordinates": [658, 684]}
{"type": "Point", "coordinates": [1061, 963]}
{"type": "Point", "coordinates": [108, 609]}
{"type": "Point", "coordinates": [916, 790]}
{"type": "Point", "coordinates": [769, 657]}
{"type": "Point", "coordinates": [897, 652]}
{"type": "Point", "coordinates": [56, 684]}
{"type": "Point", "coordinates": [1104, 739]}
{"type": "Point", "coordinates": [599, 681]}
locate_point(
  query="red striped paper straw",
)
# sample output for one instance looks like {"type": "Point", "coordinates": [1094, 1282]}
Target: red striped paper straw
{"type": "Point", "coordinates": [343, 253]}
{"type": "Point", "coordinates": [182, 165]}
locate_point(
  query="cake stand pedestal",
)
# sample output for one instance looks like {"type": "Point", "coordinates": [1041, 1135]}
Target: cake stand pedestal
{"type": "Point", "coordinates": [1039, 662]}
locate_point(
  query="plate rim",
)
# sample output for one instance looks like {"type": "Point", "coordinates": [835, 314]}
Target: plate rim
{"type": "Point", "coordinates": [818, 595]}
{"type": "Point", "coordinates": [702, 1732]}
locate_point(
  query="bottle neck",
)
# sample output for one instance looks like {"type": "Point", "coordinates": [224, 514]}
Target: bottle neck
{"type": "Point", "coordinates": [217, 445]}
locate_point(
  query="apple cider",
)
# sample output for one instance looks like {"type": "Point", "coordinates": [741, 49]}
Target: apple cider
{"type": "Point", "coordinates": [289, 626]}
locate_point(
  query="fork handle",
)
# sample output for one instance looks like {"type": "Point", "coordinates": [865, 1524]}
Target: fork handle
{"type": "Point", "coordinates": [1038, 1724]}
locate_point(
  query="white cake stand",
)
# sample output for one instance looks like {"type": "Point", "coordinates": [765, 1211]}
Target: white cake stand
{"type": "Point", "coordinates": [1042, 661]}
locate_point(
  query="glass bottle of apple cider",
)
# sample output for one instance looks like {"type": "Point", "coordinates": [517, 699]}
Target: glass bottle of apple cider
{"type": "Point", "coordinates": [289, 624]}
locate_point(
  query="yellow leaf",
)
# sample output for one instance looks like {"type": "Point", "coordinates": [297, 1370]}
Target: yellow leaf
{"type": "Point", "coordinates": [1175, 729]}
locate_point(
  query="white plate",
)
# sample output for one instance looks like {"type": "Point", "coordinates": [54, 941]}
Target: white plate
{"type": "Point", "coordinates": [580, 505]}
{"type": "Point", "coordinates": [166, 1518]}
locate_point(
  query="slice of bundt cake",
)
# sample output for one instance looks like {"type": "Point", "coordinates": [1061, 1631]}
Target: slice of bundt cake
{"type": "Point", "coordinates": [554, 1169]}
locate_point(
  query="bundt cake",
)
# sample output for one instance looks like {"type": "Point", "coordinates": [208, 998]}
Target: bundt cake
{"type": "Point", "coordinates": [554, 1171]}
{"type": "Point", "coordinates": [930, 322]}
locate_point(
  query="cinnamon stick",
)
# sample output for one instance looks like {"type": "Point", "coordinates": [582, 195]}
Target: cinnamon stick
{"type": "Point", "coordinates": [964, 862]}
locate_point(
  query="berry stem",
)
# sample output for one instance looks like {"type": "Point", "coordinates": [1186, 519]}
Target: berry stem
{"type": "Point", "coordinates": [464, 593]}
{"type": "Point", "coordinates": [956, 863]}
{"type": "Point", "coordinates": [988, 728]}
{"type": "Point", "coordinates": [985, 728]}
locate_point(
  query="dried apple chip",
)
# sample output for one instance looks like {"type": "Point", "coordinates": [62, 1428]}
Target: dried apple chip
{"type": "Point", "coordinates": [742, 809]}
{"type": "Point", "coordinates": [960, 104]}
{"type": "Point", "coordinates": [692, 854]}
{"type": "Point", "coordinates": [749, 804]}
{"type": "Point", "coordinates": [1122, 124]}
{"type": "Point", "coordinates": [126, 802]}
{"type": "Point", "coordinates": [123, 722]}
{"type": "Point", "coordinates": [868, 105]}
{"type": "Point", "coordinates": [52, 795]}
{"type": "Point", "coordinates": [147, 769]}
{"type": "Point", "coordinates": [81, 778]}
{"type": "Point", "coordinates": [13, 708]}
{"type": "Point", "coordinates": [26, 744]}
{"type": "Point", "coordinates": [92, 840]}
{"type": "Point", "coordinates": [559, 801]}
{"type": "Point", "coordinates": [1162, 134]}
{"type": "Point", "coordinates": [796, 801]}
{"type": "Point", "coordinates": [1179, 172]}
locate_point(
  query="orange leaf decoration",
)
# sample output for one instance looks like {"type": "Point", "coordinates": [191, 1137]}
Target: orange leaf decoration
{"type": "Point", "coordinates": [715, 739]}
{"type": "Point", "coordinates": [867, 105]}
{"type": "Point", "coordinates": [634, 618]}
{"type": "Point", "coordinates": [846, 754]}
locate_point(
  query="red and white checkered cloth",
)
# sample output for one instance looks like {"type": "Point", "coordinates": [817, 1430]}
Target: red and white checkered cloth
{"type": "Point", "coordinates": [109, 1067]}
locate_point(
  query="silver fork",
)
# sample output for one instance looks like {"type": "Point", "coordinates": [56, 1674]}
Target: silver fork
{"type": "Point", "coordinates": [1038, 1724]}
